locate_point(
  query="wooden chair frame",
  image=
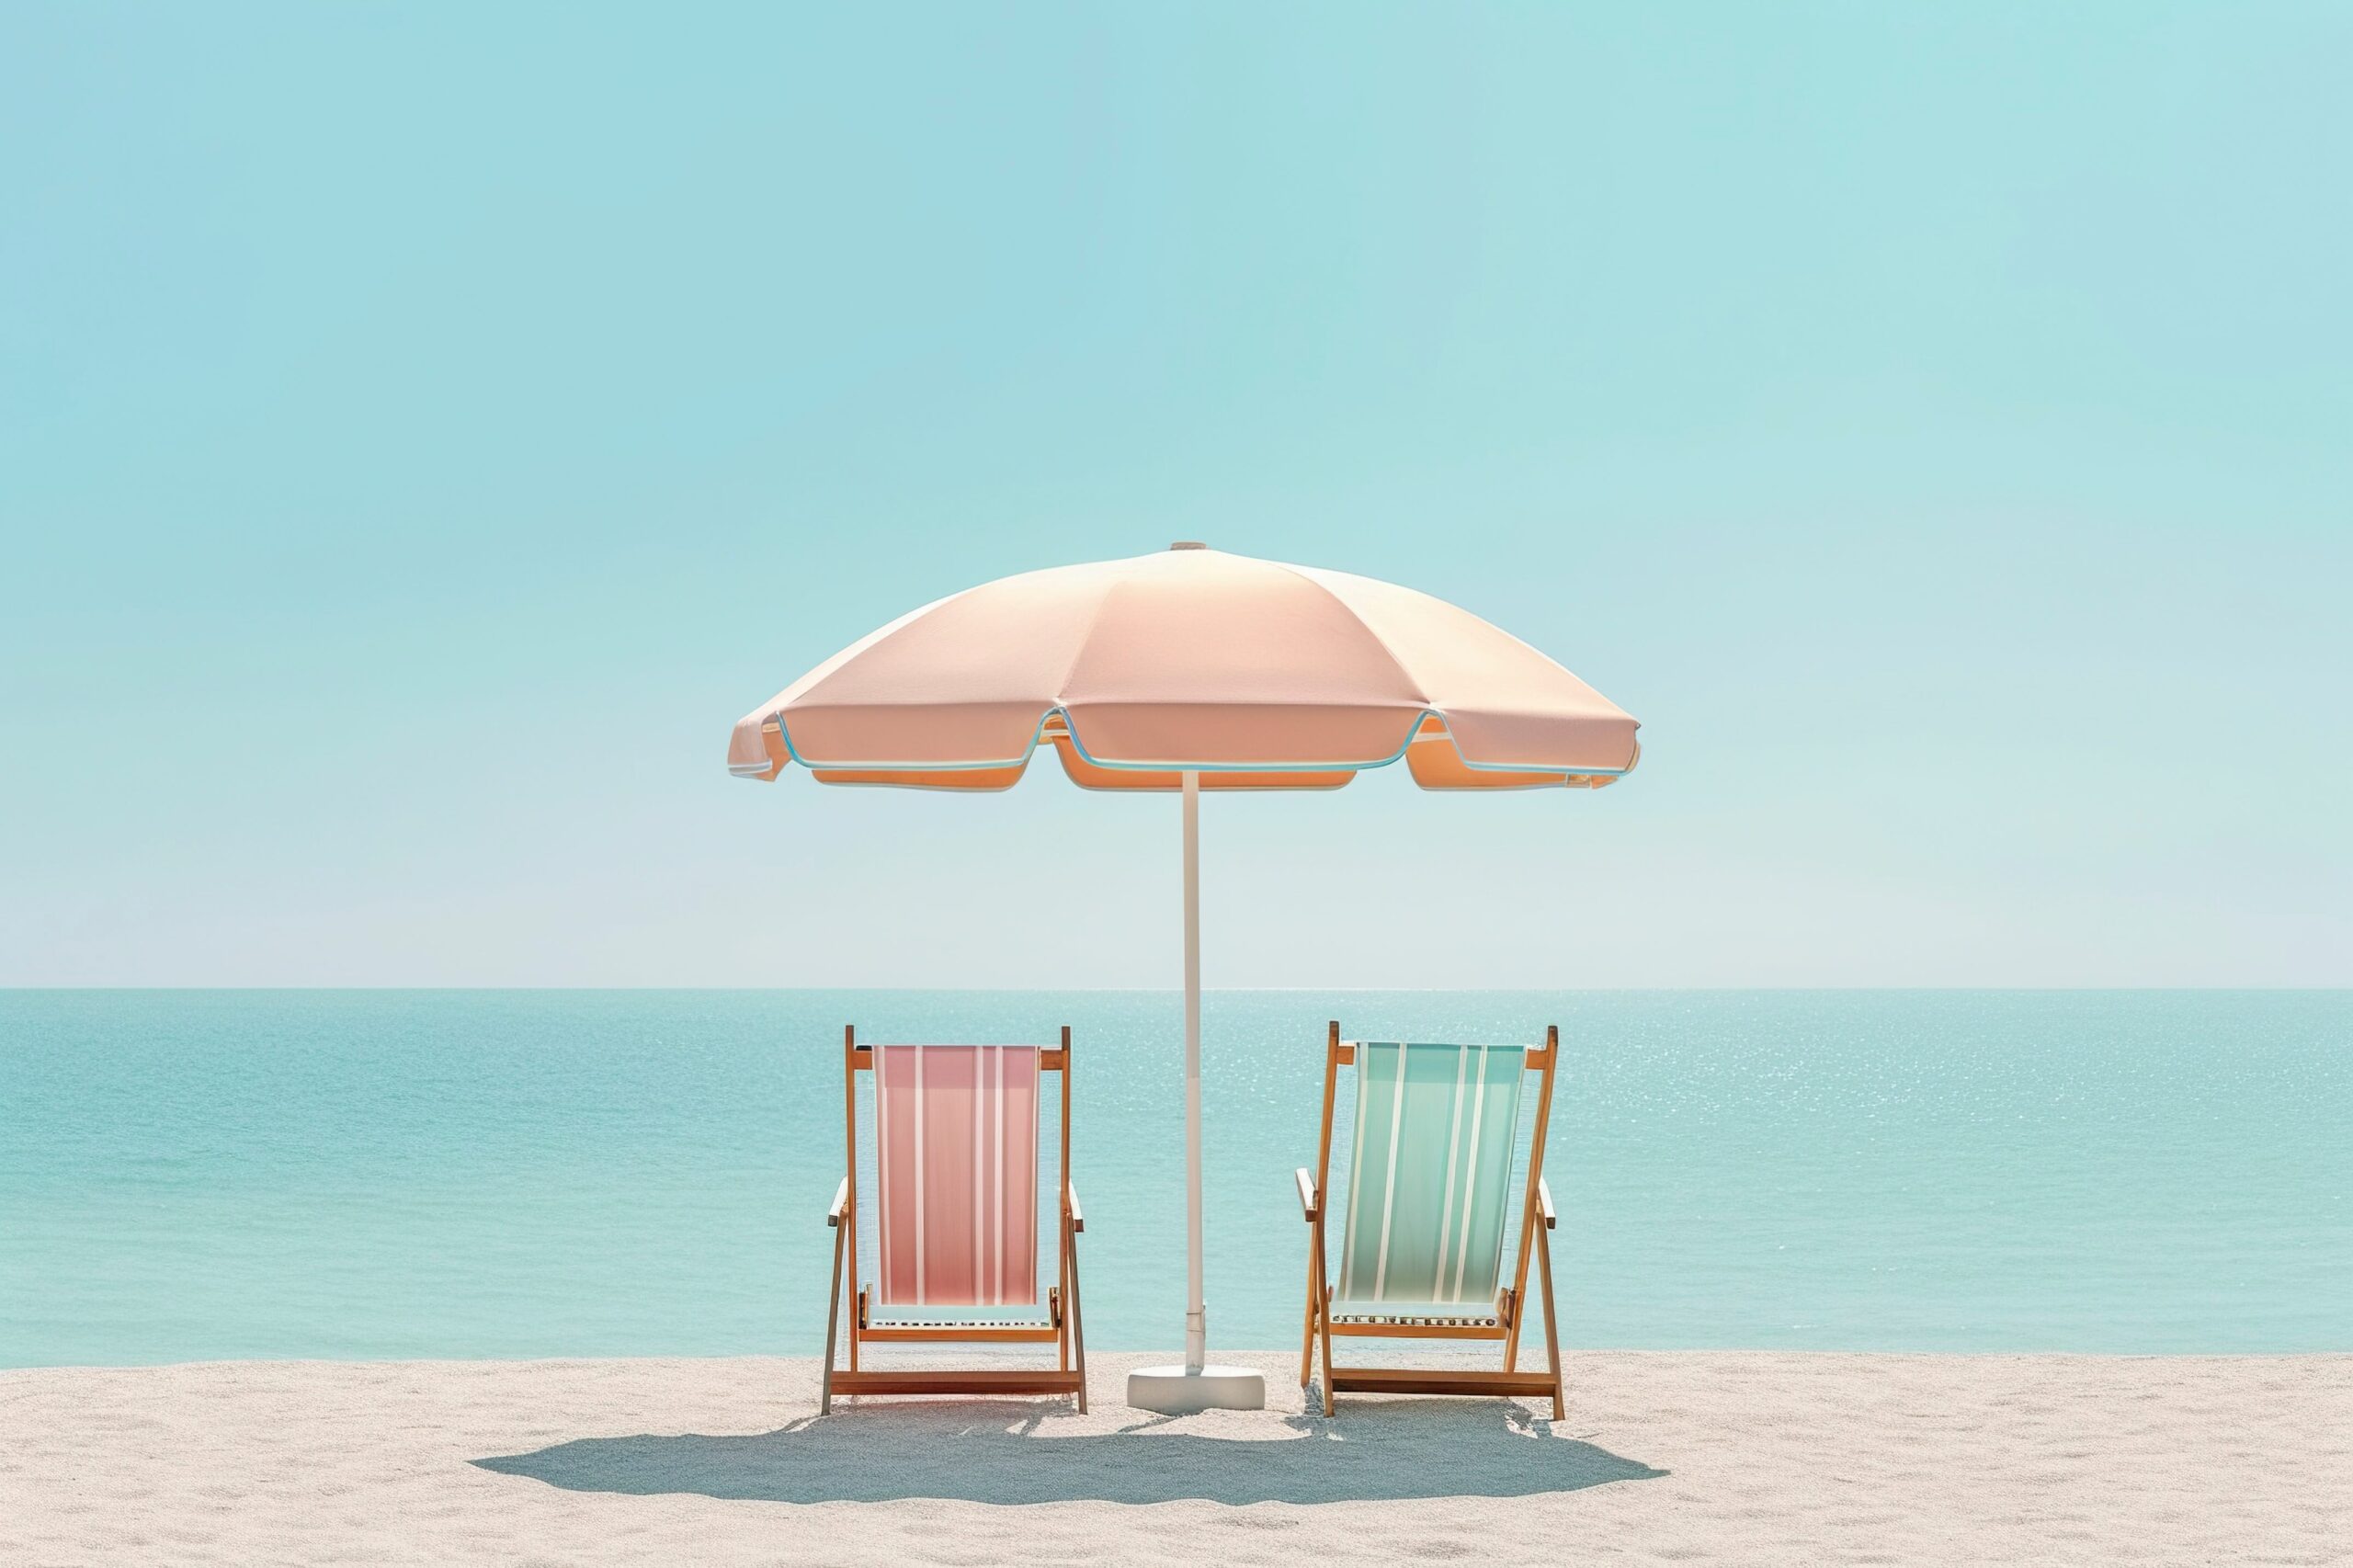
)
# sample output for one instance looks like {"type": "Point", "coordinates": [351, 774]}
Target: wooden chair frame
{"type": "Point", "coordinates": [1062, 1330]}
{"type": "Point", "coordinates": [1537, 1220]}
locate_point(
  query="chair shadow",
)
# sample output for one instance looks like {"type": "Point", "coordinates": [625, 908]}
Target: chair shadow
{"type": "Point", "coordinates": [1007, 1453]}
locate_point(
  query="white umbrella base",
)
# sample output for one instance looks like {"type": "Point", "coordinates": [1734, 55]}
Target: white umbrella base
{"type": "Point", "coordinates": [1173, 1391]}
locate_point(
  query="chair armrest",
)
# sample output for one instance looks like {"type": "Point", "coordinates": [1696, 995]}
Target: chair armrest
{"type": "Point", "coordinates": [841, 1203]}
{"type": "Point", "coordinates": [1544, 1204]}
{"type": "Point", "coordinates": [1306, 1194]}
{"type": "Point", "coordinates": [1071, 1208]}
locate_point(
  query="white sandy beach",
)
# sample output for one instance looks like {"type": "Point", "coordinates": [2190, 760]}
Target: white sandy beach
{"type": "Point", "coordinates": [1685, 1458]}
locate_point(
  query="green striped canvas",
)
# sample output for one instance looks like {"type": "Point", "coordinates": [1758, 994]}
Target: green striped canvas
{"type": "Point", "coordinates": [1429, 1177]}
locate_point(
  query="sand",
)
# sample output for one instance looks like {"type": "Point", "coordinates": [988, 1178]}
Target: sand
{"type": "Point", "coordinates": [1682, 1458]}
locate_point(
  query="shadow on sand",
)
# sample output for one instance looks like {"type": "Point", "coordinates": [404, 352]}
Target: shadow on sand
{"type": "Point", "coordinates": [995, 1451]}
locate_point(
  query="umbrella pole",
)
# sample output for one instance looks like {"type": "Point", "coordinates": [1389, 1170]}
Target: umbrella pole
{"type": "Point", "coordinates": [1181, 1390]}
{"type": "Point", "coordinates": [1195, 1313]}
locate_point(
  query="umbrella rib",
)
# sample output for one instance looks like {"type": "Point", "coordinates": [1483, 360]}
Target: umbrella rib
{"type": "Point", "coordinates": [1420, 694]}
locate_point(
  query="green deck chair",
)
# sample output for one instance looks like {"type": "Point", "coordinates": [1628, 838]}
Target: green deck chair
{"type": "Point", "coordinates": [1424, 1210]}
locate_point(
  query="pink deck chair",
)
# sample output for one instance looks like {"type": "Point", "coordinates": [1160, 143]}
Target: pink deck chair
{"type": "Point", "coordinates": [956, 1217]}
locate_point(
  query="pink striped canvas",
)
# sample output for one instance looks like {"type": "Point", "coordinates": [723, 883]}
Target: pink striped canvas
{"type": "Point", "coordinates": [957, 1161]}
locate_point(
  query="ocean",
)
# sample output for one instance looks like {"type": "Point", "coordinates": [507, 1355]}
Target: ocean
{"type": "Point", "coordinates": [189, 1175]}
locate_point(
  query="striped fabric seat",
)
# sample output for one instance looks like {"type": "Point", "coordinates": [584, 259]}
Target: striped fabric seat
{"type": "Point", "coordinates": [1430, 1183]}
{"type": "Point", "coordinates": [957, 1167]}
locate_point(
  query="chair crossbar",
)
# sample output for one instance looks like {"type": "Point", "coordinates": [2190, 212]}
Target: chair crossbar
{"type": "Point", "coordinates": [976, 1325]}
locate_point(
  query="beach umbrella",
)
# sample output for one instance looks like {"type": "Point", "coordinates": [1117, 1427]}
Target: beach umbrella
{"type": "Point", "coordinates": [1182, 671]}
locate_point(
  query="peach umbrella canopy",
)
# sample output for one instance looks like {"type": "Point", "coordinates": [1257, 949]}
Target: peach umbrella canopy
{"type": "Point", "coordinates": [1254, 673]}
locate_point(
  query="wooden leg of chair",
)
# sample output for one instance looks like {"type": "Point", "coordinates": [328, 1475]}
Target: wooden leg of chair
{"type": "Point", "coordinates": [1307, 1333]}
{"type": "Point", "coordinates": [1323, 1320]}
{"type": "Point", "coordinates": [1077, 1323]}
{"type": "Point", "coordinates": [1551, 1329]}
{"type": "Point", "coordinates": [833, 1325]}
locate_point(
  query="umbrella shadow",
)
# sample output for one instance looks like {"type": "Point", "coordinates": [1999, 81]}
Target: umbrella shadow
{"type": "Point", "coordinates": [1006, 1452]}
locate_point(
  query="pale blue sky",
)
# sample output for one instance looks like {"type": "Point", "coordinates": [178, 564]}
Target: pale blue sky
{"type": "Point", "coordinates": [423, 429]}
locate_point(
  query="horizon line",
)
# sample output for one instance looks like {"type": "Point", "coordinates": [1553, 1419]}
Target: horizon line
{"type": "Point", "coordinates": [1208, 990]}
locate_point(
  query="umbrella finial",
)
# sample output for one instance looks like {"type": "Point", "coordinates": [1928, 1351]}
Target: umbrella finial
{"type": "Point", "coordinates": [1189, 544]}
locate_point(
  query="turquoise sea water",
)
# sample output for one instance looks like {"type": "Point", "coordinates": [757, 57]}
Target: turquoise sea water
{"type": "Point", "coordinates": [201, 1175]}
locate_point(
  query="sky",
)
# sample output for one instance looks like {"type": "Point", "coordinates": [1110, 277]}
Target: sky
{"type": "Point", "coordinates": [424, 429]}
